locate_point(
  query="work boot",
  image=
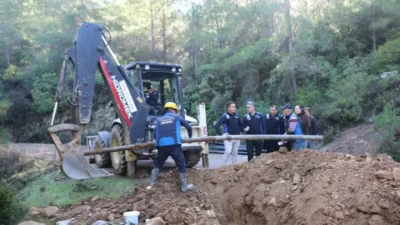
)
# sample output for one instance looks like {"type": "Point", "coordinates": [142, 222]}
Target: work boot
{"type": "Point", "coordinates": [184, 185]}
{"type": "Point", "coordinates": [154, 175]}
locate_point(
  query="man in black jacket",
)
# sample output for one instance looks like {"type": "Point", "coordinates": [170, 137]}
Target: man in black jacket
{"type": "Point", "coordinates": [275, 124]}
{"type": "Point", "coordinates": [152, 100]}
{"type": "Point", "coordinates": [232, 125]}
{"type": "Point", "coordinates": [253, 123]}
{"type": "Point", "coordinates": [313, 127]}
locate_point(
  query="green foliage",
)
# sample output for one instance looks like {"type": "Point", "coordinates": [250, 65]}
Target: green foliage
{"type": "Point", "coordinates": [387, 118]}
{"type": "Point", "coordinates": [389, 123]}
{"type": "Point", "coordinates": [314, 98]}
{"type": "Point", "coordinates": [330, 129]}
{"type": "Point", "coordinates": [10, 73]}
{"type": "Point", "coordinates": [4, 106]}
{"type": "Point", "coordinates": [389, 145]}
{"type": "Point", "coordinates": [11, 209]}
{"type": "Point", "coordinates": [5, 136]}
{"type": "Point", "coordinates": [344, 110]}
{"type": "Point", "coordinates": [43, 92]}
{"type": "Point", "coordinates": [387, 57]}
{"type": "Point", "coordinates": [62, 191]}
{"type": "Point", "coordinates": [320, 55]}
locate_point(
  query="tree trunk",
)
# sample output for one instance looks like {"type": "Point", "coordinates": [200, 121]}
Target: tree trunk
{"type": "Point", "coordinates": [373, 36]}
{"type": "Point", "coordinates": [290, 45]}
{"type": "Point", "coordinates": [273, 22]}
{"type": "Point", "coordinates": [164, 35]}
{"type": "Point", "coordinates": [7, 54]}
{"type": "Point", "coordinates": [373, 41]}
{"type": "Point", "coordinates": [153, 41]}
{"type": "Point", "coordinates": [195, 57]}
{"type": "Point", "coordinates": [215, 17]}
{"type": "Point", "coordinates": [195, 21]}
{"type": "Point", "coordinates": [6, 47]}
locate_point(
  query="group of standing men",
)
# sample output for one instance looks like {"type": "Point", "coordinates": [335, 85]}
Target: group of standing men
{"type": "Point", "coordinates": [168, 136]}
{"type": "Point", "coordinates": [297, 122]}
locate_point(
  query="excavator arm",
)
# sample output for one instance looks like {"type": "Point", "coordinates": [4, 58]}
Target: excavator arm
{"type": "Point", "coordinates": [87, 56]}
{"type": "Point", "coordinates": [90, 49]}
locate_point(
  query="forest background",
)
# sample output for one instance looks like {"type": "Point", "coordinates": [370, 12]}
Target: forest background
{"type": "Point", "coordinates": [341, 58]}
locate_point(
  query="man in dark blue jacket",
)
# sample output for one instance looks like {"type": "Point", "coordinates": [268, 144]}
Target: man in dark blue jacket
{"type": "Point", "coordinates": [275, 124]}
{"type": "Point", "coordinates": [232, 126]}
{"type": "Point", "coordinates": [167, 135]}
{"type": "Point", "coordinates": [253, 123]}
{"type": "Point", "coordinates": [152, 97]}
{"type": "Point", "coordinates": [152, 100]}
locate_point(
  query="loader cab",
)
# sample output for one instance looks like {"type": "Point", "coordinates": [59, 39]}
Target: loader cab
{"type": "Point", "coordinates": [165, 80]}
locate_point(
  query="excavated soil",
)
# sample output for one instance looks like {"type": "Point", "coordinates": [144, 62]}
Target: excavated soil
{"type": "Point", "coordinates": [302, 188]}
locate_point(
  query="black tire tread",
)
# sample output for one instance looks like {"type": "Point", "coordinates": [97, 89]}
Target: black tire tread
{"type": "Point", "coordinates": [105, 158]}
{"type": "Point", "coordinates": [192, 158]}
{"type": "Point", "coordinates": [123, 167]}
{"type": "Point", "coordinates": [92, 160]}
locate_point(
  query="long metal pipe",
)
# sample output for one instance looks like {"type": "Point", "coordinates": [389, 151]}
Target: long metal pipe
{"type": "Point", "coordinates": [208, 139]}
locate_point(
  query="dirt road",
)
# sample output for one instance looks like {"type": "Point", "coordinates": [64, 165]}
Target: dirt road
{"type": "Point", "coordinates": [49, 152]}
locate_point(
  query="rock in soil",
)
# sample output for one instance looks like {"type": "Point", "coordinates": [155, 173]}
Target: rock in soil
{"type": "Point", "coordinates": [101, 222]}
{"type": "Point", "coordinates": [156, 221]}
{"type": "Point", "coordinates": [67, 222]}
{"type": "Point", "coordinates": [296, 178]}
{"type": "Point", "coordinates": [79, 210]}
{"type": "Point", "coordinates": [30, 223]}
{"type": "Point", "coordinates": [384, 174]}
{"type": "Point", "coordinates": [331, 188]}
{"type": "Point", "coordinates": [396, 174]}
{"type": "Point", "coordinates": [47, 212]}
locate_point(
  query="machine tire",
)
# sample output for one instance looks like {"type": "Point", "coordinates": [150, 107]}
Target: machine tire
{"type": "Point", "coordinates": [192, 158]}
{"type": "Point", "coordinates": [102, 160]}
{"type": "Point", "coordinates": [91, 160]}
{"type": "Point", "coordinates": [118, 160]}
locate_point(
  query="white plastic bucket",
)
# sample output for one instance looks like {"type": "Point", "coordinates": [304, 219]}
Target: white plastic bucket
{"type": "Point", "coordinates": [132, 217]}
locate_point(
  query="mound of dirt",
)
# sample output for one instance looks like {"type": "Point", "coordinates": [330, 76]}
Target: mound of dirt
{"type": "Point", "coordinates": [307, 187]}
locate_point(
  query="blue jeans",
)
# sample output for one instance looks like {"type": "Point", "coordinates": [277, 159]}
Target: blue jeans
{"type": "Point", "coordinates": [299, 145]}
{"type": "Point", "coordinates": [175, 151]}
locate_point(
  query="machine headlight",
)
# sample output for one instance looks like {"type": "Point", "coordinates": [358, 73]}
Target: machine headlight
{"type": "Point", "coordinates": [147, 67]}
{"type": "Point", "coordinates": [179, 70]}
{"type": "Point", "coordinates": [173, 69]}
{"type": "Point", "coordinates": [137, 66]}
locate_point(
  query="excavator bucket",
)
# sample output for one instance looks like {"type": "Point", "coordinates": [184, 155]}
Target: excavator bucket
{"type": "Point", "coordinates": [75, 166]}
{"type": "Point", "coordinates": [73, 163]}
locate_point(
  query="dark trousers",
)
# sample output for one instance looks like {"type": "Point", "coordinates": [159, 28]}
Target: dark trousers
{"type": "Point", "coordinates": [271, 145]}
{"type": "Point", "coordinates": [251, 145]}
{"type": "Point", "coordinates": [175, 151]}
{"type": "Point", "coordinates": [289, 145]}
{"type": "Point", "coordinates": [155, 110]}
